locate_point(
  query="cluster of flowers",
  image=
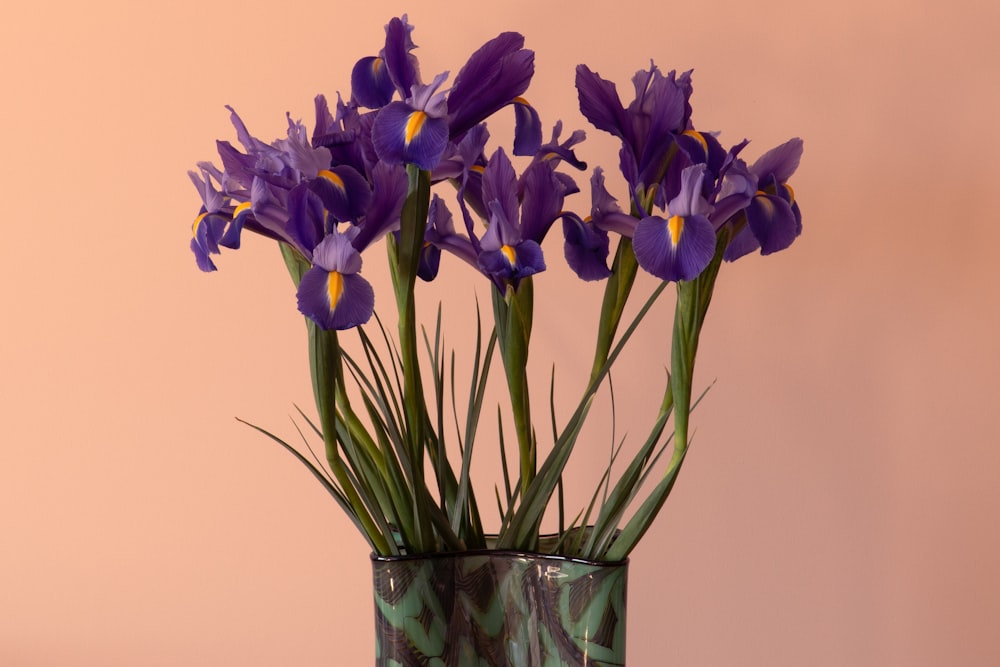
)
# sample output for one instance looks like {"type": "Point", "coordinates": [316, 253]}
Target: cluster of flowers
{"type": "Point", "coordinates": [332, 195]}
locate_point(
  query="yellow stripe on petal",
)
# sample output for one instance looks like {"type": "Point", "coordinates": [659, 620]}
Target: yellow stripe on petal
{"type": "Point", "coordinates": [197, 222]}
{"type": "Point", "coordinates": [239, 209]}
{"type": "Point", "coordinates": [521, 100]}
{"type": "Point", "coordinates": [478, 168]}
{"type": "Point", "coordinates": [766, 203]}
{"type": "Point", "coordinates": [676, 227]}
{"type": "Point", "coordinates": [337, 181]}
{"type": "Point", "coordinates": [334, 289]}
{"type": "Point", "coordinates": [791, 193]}
{"type": "Point", "coordinates": [413, 125]}
{"type": "Point", "coordinates": [698, 136]}
{"type": "Point", "coordinates": [509, 253]}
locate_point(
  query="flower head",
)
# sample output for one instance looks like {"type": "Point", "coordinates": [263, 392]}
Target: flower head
{"type": "Point", "coordinates": [332, 293]}
{"type": "Point", "coordinates": [773, 217]}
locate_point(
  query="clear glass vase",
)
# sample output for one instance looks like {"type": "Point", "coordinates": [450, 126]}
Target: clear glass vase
{"type": "Point", "coordinates": [492, 608]}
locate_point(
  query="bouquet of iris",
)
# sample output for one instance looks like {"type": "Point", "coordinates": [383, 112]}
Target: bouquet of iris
{"type": "Point", "coordinates": [406, 161]}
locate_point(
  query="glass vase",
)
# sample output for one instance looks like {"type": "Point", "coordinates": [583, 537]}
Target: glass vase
{"type": "Point", "coordinates": [491, 608]}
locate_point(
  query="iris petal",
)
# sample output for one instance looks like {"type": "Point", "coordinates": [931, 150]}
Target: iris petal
{"type": "Point", "coordinates": [657, 253]}
{"type": "Point", "coordinates": [773, 222]}
{"type": "Point", "coordinates": [399, 138]}
{"type": "Point", "coordinates": [499, 71]}
{"type": "Point", "coordinates": [586, 249]}
{"type": "Point", "coordinates": [527, 128]}
{"type": "Point", "coordinates": [371, 84]}
{"type": "Point", "coordinates": [334, 300]}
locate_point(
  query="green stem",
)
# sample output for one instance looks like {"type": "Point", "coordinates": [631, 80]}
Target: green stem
{"type": "Point", "coordinates": [616, 293]}
{"type": "Point", "coordinates": [513, 314]}
{"type": "Point", "coordinates": [693, 299]}
{"type": "Point", "coordinates": [413, 223]}
{"type": "Point", "coordinates": [324, 356]}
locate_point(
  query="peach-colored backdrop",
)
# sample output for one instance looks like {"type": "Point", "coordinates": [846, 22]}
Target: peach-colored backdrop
{"type": "Point", "coordinates": [840, 503]}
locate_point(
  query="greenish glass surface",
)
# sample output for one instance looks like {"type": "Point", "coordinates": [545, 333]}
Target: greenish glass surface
{"type": "Point", "coordinates": [493, 608]}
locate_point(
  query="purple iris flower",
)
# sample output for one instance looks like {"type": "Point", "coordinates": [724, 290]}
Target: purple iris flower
{"type": "Point", "coordinates": [681, 245]}
{"type": "Point", "coordinates": [210, 224]}
{"type": "Point", "coordinates": [347, 136]}
{"type": "Point", "coordinates": [419, 128]}
{"type": "Point", "coordinates": [773, 217]}
{"type": "Point", "coordinates": [521, 214]}
{"type": "Point", "coordinates": [331, 293]}
{"type": "Point", "coordinates": [414, 131]}
{"type": "Point", "coordinates": [496, 75]}
{"type": "Point", "coordinates": [587, 245]}
{"type": "Point", "coordinates": [647, 129]}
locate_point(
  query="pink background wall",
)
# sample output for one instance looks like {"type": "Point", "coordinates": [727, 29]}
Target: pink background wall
{"type": "Point", "coordinates": [839, 505]}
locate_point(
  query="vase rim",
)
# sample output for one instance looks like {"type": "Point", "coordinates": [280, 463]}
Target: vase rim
{"type": "Point", "coordinates": [513, 553]}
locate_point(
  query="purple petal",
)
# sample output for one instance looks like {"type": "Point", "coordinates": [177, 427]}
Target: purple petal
{"type": "Point", "coordinates": [204, 262]}
{"type": "Point", "coordinates": [690, 201]}
{"type": "Point", "coordinates": [402, 134]}
{"type": "Point", "coordinates": [500, 185]}
{"type": "Point", "coordinates": [401, 65]}
{"type": "Point", "coordinates": [773, 222]}
{"type": "Point", "coordinates": [600, 104]}
{"type": "Point", "coordinates": [527, 128]}
{"type": "Point", "coordinates": [586, 249]}
{"type": "Point", "coordinates": [499, 71]}
{"type": "Point", "coordinates": [306, 217]}
{"type": "Point", "coordinates": [779, 162]}
{"type": "Point", "coordinates": [742, 244]}
{"type": "Point", "coordinates": [510, 263]}
{"type": "Point", "coordinates": [678, 249]}
{"type": "Point", "coordinates": [345, 193]}
{"type": "Point", "coordinates": [388, 194]}
{"type": "Point", "coordinates": [335, 253]}
{"type": "Point", "coordinates": [371, 84]}
{"type": "Point", "coordinates": [334, 300]}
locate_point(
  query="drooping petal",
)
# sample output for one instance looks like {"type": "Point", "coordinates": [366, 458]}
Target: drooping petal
{"type": "Point", "coordinates": [527, 128]}
{"type": "Point", "coordinates": [371, 84]}
{"type": "Point", "coordinates": [675, 249]}
{"type": "Point", "coordinates": [510, 263]}
{"type": "Point", "coordinates": [206, 230]}
{"type": "Point", "coordinates": [232, 237]}
{"type": "Point", "coordinates": [331, 293]}
{"type": "Point", "coordinates": [586, 248]}
{"type": "Point", "coordinates": [773, 222]}
{"type": "Point", "coordinates": [742, 244]}
{"type": "Point", "coordinates": [402, 134]}
{"type": "Point", "coordinates": [345, 193]}
{"type": "Point", "coordinates": [429, 263]}
{"type": "Point", "coordinates": [335, 300]}
{"type": "Point", "coordinates": [541, 200]}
